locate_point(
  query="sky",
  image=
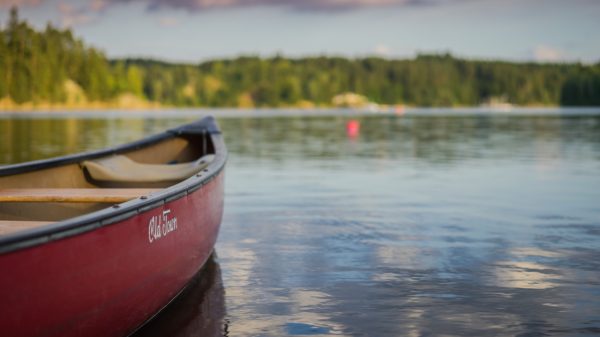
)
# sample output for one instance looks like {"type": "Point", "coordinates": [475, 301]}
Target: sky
{"type": "Point", "coordinates": [198, 30]}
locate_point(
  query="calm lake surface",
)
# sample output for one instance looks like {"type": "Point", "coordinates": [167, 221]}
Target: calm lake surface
{"type": "Point", "coordinates": [440, 223]}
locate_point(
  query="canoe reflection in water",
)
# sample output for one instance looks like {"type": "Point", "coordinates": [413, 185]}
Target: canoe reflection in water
{"type": "Point", "coordinates": [198, 311]}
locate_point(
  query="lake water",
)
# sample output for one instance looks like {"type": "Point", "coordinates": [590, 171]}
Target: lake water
{"type": "Point", "coordinates": [434, 223]}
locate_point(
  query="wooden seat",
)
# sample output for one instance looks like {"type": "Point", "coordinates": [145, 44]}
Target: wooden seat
{"type": "Point", "coordinates": [10, 226]}
{"type": "Point", "coordinates": [77, 195]}
{"type": "Point", "coordinates": [122, 169]}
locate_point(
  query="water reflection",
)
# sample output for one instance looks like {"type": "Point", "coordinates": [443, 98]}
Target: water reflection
{"type": "Point", "coordinates": [443, 139]}
{"type": "Point", "coordinates": [24, 139]}
{"type": "Point", "coordinates": [522, 274]}
{"type": "Point", "coordinates": [440, 139]}
{"type": "Point", "coordinates": [484, 225]}
{"type": "Point", "coordinates": [198, 311]}
{"type": "Point", "coordinates": [419, 226]}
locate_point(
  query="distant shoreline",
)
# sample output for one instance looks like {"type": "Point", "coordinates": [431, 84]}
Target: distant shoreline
{"type": "Point", "coordinates": [127, 103]}
{"type": "Point", "coordinates": [143, 105]}
{"type": "Point", "coordinates": [166, 112]}
{"type": "Point", "coordinates": [29, 108]}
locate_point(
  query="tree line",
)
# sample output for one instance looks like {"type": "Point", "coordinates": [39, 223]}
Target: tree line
{"type": "Point", "coordinates": [51, 65]}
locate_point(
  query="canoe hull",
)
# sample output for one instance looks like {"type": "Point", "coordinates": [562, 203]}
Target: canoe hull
{"type": "Point", "coordinates": [108, 281]}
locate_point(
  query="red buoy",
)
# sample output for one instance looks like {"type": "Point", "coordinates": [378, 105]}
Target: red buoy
{"type": "Point", "coordinates": [352, 128]}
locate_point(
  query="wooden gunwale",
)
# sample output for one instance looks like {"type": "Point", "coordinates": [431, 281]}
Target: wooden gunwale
{"type": "Point", "coordinates": [77, 195]}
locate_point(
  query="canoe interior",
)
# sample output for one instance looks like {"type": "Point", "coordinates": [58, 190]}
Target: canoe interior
{"type": "Point", "coordinates": [63, 179]}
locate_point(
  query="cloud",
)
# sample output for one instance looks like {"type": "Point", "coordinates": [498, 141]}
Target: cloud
{"type": "Point", "coordinates": [382, 50]}
{"type": "Point", "coordinates": [168, 22]}
{"type": "Point", "coordinates": [304, 5]}
{"type": "Point", "coordinates": [544, 53]}
{"type": "Point", "coordinates": [19, 3]}
{"type": "Point", "coordinates": [72, 16]}
{"type": "Point", "coordinates": [98, 5]}
{"type": "Point", "coordinates": [95, 6]}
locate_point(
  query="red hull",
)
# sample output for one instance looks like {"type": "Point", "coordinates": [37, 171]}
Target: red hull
{"type": "Point", "coordinates": [108, 281]}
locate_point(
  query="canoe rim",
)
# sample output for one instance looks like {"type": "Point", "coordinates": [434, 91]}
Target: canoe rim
{"type": "Point", "coordinates": [110, 215]}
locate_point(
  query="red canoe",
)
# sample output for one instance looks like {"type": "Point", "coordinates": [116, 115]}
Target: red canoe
{"type": "Point", "coordinates": [95, 244]}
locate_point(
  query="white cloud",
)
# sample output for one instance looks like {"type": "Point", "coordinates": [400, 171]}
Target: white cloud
{"type": "Point", "coordinates": [382, 50]}
{"type": "Point", "coordinates": [543, 53]}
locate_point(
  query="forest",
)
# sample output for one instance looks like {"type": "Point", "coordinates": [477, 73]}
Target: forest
{"type": "Point", "coordinates": [54, 67]}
